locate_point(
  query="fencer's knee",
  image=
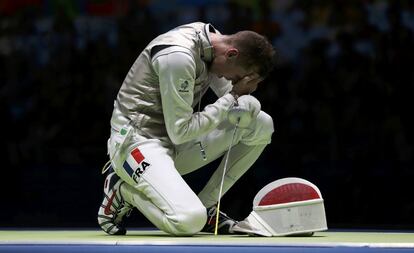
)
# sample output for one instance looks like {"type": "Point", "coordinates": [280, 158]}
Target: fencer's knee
{"type": "Point", "coordinates": [261, 130]}
{"type": "Point", "coordinates": [265, 123]}
{"type": "Point", "coordinates": [190, 221]}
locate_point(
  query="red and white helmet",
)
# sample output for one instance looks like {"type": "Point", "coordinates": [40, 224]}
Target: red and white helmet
{"type": "Point", "coordinates": [285, 207]}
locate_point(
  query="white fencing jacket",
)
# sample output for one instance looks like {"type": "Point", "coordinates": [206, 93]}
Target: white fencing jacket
{"type": "Point", "coordinates": [166, 81]}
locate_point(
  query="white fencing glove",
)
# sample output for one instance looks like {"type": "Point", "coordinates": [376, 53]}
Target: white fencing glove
{"type": "Point", "coordinates": [247, 109]}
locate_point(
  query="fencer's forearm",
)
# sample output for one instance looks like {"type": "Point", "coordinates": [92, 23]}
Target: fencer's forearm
{"type": "Point", "coordinates": [183, 129]}
{"type": "Point", "coordinates": [176, 72]}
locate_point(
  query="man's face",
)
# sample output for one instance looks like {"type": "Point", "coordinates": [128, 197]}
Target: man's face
{"type": "Point", "coordinates": [232, 72]}
{"type": "Point", "coordinates": [227, 66]}
{"type": "Point", "coordinates": [229, 70]}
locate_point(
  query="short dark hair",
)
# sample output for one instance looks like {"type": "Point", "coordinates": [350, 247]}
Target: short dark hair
{"type": "Point", "coordinates": [255, 50]}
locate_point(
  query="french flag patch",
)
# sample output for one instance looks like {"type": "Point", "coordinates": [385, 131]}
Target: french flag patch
{"type": "Point", "coordinates": [135, 164]}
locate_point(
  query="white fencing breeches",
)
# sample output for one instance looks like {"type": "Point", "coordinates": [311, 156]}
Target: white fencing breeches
{"type": "Point", "coordinates": [153, 172]}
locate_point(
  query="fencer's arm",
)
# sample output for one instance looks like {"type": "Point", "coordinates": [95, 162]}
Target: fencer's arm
{"type": "Point", "coordinates": [176, 72]}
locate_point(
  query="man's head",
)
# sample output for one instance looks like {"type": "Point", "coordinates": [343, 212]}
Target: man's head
{"type": "Point", "coordinates": [242, 54]}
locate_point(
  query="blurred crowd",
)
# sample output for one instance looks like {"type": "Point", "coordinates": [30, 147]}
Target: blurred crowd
{"type": "Point", "coordinates": [340, 96]}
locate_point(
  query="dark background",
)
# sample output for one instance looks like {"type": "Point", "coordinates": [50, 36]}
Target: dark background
{"type": "Point", "coordinates": [341, 97]}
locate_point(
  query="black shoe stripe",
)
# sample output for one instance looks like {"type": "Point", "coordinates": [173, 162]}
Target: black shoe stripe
{"type": "Point", "coordinates": [117, 199]}
{"type": "Point", "coordinates": [105, 223]}
{"type": "Point", "coordinates": [110, 228]}
{"type": "Point", "coordinates": [106, 197]}
{"type": "Point", "coordinates": [104, 217]}
{"type": "Point", "coordinates": [116, 206]}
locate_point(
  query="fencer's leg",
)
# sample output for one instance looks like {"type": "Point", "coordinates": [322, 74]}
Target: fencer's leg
{"type": "Point", "coordinates": [159, 191]}
{"type": "Point", "coordinates": [241, 158]}
{"type": "Point", "coordinates": [252, 142]}
{"type": "Point", "coordinates": [216, 143]}
{"type": "Point", "coordinates": [249, 144]}
{"type": "Point", "coordinates": [179, 223]}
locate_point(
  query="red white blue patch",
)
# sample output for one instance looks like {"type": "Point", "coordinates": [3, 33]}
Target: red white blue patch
{"type": "Point", "coordinates": [135, 164]}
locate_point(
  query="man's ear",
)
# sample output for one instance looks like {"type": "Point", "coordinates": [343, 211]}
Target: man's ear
{"type": "Point", "coordinates": [232, 52]}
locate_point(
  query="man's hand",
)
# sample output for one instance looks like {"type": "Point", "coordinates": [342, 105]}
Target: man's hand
{"type": "Point", "coordinates": [247, 109]}
{"type": "Point", "coordinates": [247, 84]}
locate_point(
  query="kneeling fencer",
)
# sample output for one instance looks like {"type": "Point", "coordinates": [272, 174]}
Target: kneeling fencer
{"type": "Point", "coordinates": [157, 136]}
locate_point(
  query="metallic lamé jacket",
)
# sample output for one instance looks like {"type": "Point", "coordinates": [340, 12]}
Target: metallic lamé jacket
{"type": "Point", "coordinates": [139, 101]}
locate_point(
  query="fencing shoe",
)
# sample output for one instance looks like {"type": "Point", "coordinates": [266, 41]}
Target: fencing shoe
{"type": "Point", "coordinates": [113, 207]}
{"type": "Point", "coordinates": [225, 224]}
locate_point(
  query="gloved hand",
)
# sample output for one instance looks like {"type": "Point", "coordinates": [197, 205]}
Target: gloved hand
{"type": "Point", "coordinates": [247, 109]}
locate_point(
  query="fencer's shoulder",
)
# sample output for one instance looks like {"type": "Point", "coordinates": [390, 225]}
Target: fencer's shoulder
{"type": "Point", "coordinates": [178, 62]}
{"type": "Point", "coordinates": [197, 24]}
{"type": "Point", "coordinates": [177, 52]}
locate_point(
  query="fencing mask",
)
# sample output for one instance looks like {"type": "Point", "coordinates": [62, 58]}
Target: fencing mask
{"type": "Point", "coordinates": [289, 206]}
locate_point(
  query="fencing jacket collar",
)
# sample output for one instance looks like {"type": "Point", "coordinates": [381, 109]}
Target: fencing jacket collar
{"type": "Point", "coordinates": [207, 50]}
